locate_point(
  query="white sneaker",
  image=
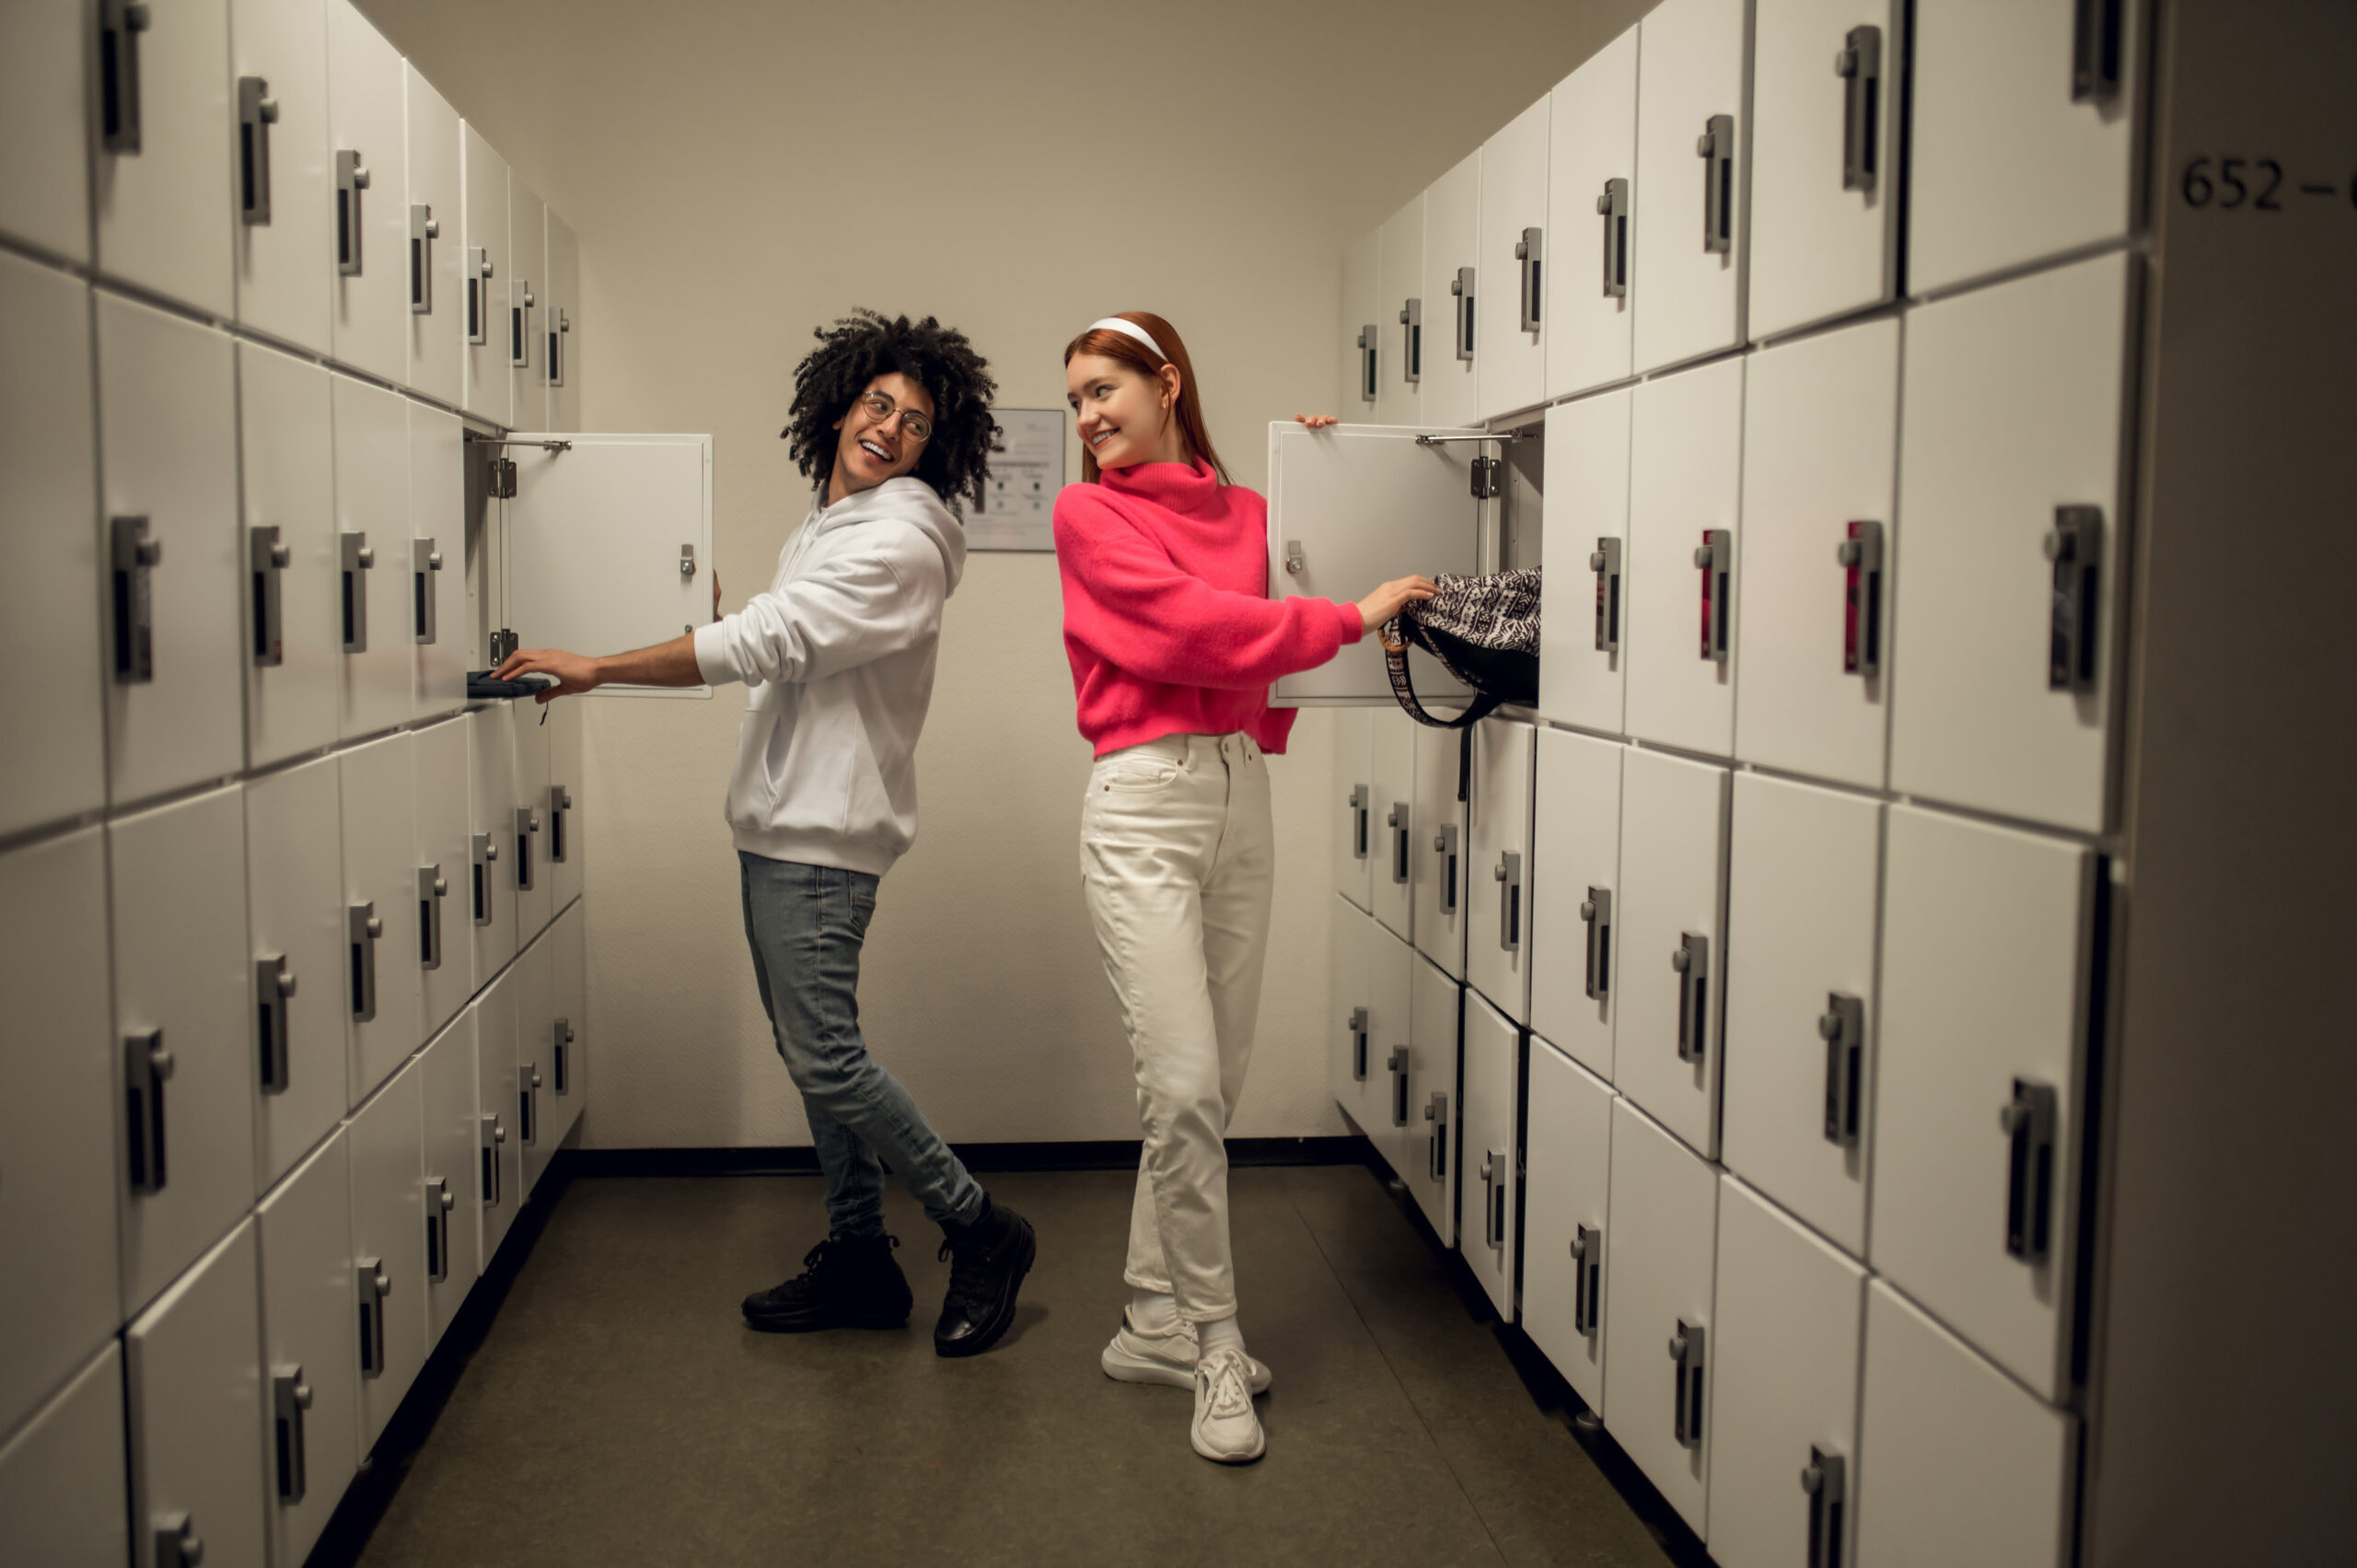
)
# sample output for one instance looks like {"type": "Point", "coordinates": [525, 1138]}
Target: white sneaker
{"type": "Point", "coordinates": [1225, 1428]}
{"type": "Point", "coordinates": [1136, 1356]}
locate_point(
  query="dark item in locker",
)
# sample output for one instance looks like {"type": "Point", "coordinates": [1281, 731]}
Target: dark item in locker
{"type": "Point", "coordinates": [1483, 630]}
{"type": "Point", "coordinates": [480, 684]}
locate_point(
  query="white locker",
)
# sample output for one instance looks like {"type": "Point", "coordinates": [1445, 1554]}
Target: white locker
{"type": "Point", "coordinates": [169, 545]}
{"type": "Point", "coordinates": [1360, 844]}
{"type": "Point", "coordinates": [1492, 1054]}
{"type": "Point", "coordinates": [1511, 331]}
{"type": "Point", "coordinates": [1960, 1467]}
{"type": "Point", "coordinates": [436, 570]}
{"type": "Point", "coordinates": [61, 1481]}
{"type": "Point", "coordinates": [288, 556]}
{"type": "Point", "coordinates": [434, 230]}
{"type": "Point", "coordinates": [484, 266]}
{"type": "Point", "coordinates": [527, 836]}
{"type": "Point", "coordinates": [1591, 165]}
{"type": "Point", "coordinates": [44, 122]}
{"type": "Point", "coordinates": [388, 1247]}
{"type": "Point", "coordinates": [455, 1182]}
{"type": "Point", "coordinates": [2009, 466]}
{"type": "Point", "coordinates": [1583, 655]}
{"type": "Point", "coordinates": [1668, 1050]}
{"type": "Point", "coordinates": [369, 143]}
{"type": "Point", "coordinates": [1575, 834]}
{"type": "Point", "coordinates": [1824, 159]}
{"type": "Point", "coordinates": [1820, 445]}
{"type": "Point", "coordinates": [310, 1388]}
{"type": "Point", "coordinates": [374, 633]}
{"type": "Point", "coordinates": [60, 1294]}
{"type": "Point", "coordinates": [1685, 631]}
{"type": "Point", "coordinates": [1353, 508]}
{"type": "Point", "coordinates": [196, 1396]}
{"type": "Point", "coordinates": [600, 537]}
{"type": "Point", "coordinates": [182, 1045]}
{"type": "Point", "coordinates": [55, 764]}
{"type": "Point", "coordinates": [561, 812]}
{"type": "Point", "coordinates": [1354, 1068]}
{"type": "Point", "coordinates": [163, 121]}
{"type": "Point", "coordinates": [1693, 193]}
{"type": "Point", "coordinates": [1394, 1127]}
{"type": "Point", "coordinates": [446, 942]}
{"type": "Point", "coordinates": [528, 1093]}
{"type": "Point", "coordinates": [1441, 853]}
{"type": "Point", "coordinates": [1790, 1313]}
{"type": "Point", "coordinates": [1449, 390]}
{"type": "Point", "coordinates": [2055, 170]}
{"type": "Point", "coordinates": [490, 905]}
{"type": "Point", "coordinates": [1657, 1292]}
{"type": "Point", "coordinates": [500, 1170]}
{"type": "Point", "coordinates": [1500, 884]}
{"type": "Point", "coordinates": [1360, 381]}
{"type": "Point", "coordinates": [1567, 1182]}
{"type": "Point", "coordinates": [1804, 867]}
{"type": "Point", "coordinates": [1392, 838]}
{"type": "Point", "coordinates": [1430, 1158]}
{"type": "Point", "coordinates": [1986, 972]}
{"type": "Point", "coordinates": [294, 889]}
{"type": "Point", "coordinates": [1399, 271]}
{"type": "Point", "coordinates": [382, 989]}
{"type": "Point", "coordinates": [525, 301]}
{"type": "Point", "coordinates": [560, 327]}
{"type": "Point", "coordinates": [281, 173]}
{"type": "Point", "coordinates": [567, 1067]}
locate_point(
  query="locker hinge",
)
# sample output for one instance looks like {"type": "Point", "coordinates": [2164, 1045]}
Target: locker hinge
{"type": "Point", "coordinates": [503, 478]}
{"type": "Point", "coordinates": [1485, 478]}
{"type": "Point", "coordinates": [502, 642]}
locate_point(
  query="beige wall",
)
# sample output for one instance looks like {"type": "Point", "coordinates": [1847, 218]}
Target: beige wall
{"type": "Point", "coordinates": [738, 172]}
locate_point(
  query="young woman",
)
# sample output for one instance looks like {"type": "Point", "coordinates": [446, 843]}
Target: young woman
{"type": "Point", "coordinates": [1174, 642]}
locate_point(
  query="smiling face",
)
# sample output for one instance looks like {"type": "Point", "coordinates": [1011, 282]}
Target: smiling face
{"type": "Point", "coordinates": [1125, 415]}
{"type": "Point", "coordinates": [871, 451]}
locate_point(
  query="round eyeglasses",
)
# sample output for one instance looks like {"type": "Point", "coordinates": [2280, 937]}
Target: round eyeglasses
{"type": "Point", "coordinates": [880, 408]}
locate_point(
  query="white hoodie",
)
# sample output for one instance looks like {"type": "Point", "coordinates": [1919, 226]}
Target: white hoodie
{"type": "Point", "coordinates": [839, 656]}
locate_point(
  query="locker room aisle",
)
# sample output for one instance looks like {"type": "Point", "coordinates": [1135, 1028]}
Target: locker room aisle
{"type": "Point", "coordinates": [617, 1410]}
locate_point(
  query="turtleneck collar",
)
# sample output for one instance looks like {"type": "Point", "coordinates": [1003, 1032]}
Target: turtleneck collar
{"type": "Point", "coordinates": [1182, 487]}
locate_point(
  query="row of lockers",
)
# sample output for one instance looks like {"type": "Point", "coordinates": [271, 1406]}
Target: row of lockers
{"type": "Point", "coordinates": [220, 980]}
{"type": "Point", "coordinates": [278, 164]}
{"type": "Point", "coordinates": [245, 1396]}
{"type": "Point", "coordinates": [1729, 171]}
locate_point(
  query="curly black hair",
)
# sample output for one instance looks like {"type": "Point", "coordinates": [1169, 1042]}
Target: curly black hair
{"type": "Point", "coordinates": [865, 344]}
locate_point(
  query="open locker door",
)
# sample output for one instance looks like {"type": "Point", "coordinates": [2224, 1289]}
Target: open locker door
{"type": "Point", "coordinates": [609, 544]}
{"type": "Point", "coordinates": [1353, 507]}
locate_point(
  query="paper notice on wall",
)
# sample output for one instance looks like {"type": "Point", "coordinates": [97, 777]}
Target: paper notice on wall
{"type": "Point", "coordinates": [1018, 503]}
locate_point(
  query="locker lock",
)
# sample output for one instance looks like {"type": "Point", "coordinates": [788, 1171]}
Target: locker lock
{"type": "Point", "coordinates": [177, 1543]}
{"type": "Point", "coordinates": [1296, 562]}
{"type": "Point", "coordinates": [687, 561]}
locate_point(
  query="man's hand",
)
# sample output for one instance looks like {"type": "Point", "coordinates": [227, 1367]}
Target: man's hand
{"type": "Point", "coordinates": [574, 673]}
{"type": "Point", "coordinates": [716, 596]}
{"type": "Point", "coordinates": [1387, 600]}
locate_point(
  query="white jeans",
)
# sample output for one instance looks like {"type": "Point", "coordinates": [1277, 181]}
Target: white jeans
{"type": "Point", "coordinates": [1178, 860]}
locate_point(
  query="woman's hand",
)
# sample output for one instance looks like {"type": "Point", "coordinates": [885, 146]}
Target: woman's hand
{"type": "Point", "coordinates": [1316, 421]}
{"type": "Point", "coordinates": [574, 673]}
{"type": "Point", "coordinates": [1386, 602]}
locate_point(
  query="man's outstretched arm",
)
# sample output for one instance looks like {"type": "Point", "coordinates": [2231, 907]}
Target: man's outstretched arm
{"type": "Point", "coordinates": [664, 664]}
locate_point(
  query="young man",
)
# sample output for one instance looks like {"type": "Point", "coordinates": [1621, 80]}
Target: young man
{"type": "Point", "coordinates": [889, 419]}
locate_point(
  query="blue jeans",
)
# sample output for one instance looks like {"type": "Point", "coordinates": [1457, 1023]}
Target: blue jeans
{"type": "Point", "coordinates": [805, 924]}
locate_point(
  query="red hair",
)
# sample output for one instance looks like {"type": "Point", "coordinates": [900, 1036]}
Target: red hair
{"type": "Point", "coordinates": [1107, 343]}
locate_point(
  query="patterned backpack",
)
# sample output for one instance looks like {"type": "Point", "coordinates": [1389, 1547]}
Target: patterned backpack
{"type": "Point", "coordinates": [1483, 630]}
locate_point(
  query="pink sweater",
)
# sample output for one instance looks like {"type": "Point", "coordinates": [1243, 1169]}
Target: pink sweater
{"type": "Point", "coordinates": [1167, 620]}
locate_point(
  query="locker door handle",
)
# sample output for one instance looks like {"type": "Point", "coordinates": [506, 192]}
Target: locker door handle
{"type": "Point", "coordinates": [1360, 811]}
{"type": "Point", "coordinates": [1444, 845]}
{"type": "Point", "coordinates": [147, 1067]}
{"type": "Point", "coordinates": [362, 930]}
{"type": "Point", "coordinates": [1509, 875]}
{"type": "Point", "coordinates": [425, 228]}
{"type": "Point", "coordinates": [1462, 290]}
{"type": "Point", "coordinates": [560, 809]}
{"type": "Point", "coordinates": [1411, 357]}
{"type": "Point", "coordinates": [519, 323]}
{"type": "Point", "coordinates": [1842, 1027]}
{"type": "Point", "coordinates": [1824, 1480]}
{"type": "Point", "coordinates": [357, 557]}
{"type": "Point", "coordinates": [351, 178]}
{"type": "Point", "coordinates": [526, 825]}
{"type": "Point", "coordinates": [486, 854]}
{"type": "Point", "coordinates": [1493, 1202]}
{"type": "Point", "coordinates": [1368, 382]}
{"type": "Point", "coordinates": [478, 294]}
{"type": "Point", "coordinates": [257, 112]}
{"type": "Point", "coordinates": [1605, 562]}
{"type": "Point", "coordinates": [2075, 547]}
{"type": "Point", "coordinates": [1691, 959]}
{"type": "Point", "coordinates": [493, 1135]}
{"type": "Point", "coordinates": [1860, 557]}
{"type": "Point", "coordinates": [1715, 557]}
{"type": "Point", "coordinates": [528, 1081]}
{"type": "Point", "coordinates": [1686, 1349]}
{"type": "Point", "coordinates": [1715, 147]}
{"type": "Point", "coordinates": [375, 1287]}
{"type": "Point", "coordinates": [273, 987]}
{"type": "Point", "coordinates": [557, 331]}
{"type": "Point", "coordinates": [562, 1037]}
{"type": "Point", "coordinates": [1397, 1063]}
{"type": "Point", "coordinates": [1858, 64]}
{"type": "Point", "coordinates": [135, 556]}
{"type": "Point", "coordinates": [425, 559]}
{"type": "Point", "coordinates": [2027, 1120]}
{"type": "Point", "coordinates": [177, 1543]}
{"type": "Point", "coordinates": [1436, 1112]}
{"type": "Point", "coordinates": [1397, 820]}
{"type": "Point", "coordinates": [1588, 1280]}
{"type": "Point", "coordinates": [438, 1204]}
{"type": "Point", "coordinates": [2096, 48]}
{"type": "Point", "coordinates": [1528, 253]}
{"type": "Point", "coordinates": [1596, 913]}
{"type": "Point", "coordinates": [266, 558]}
{"type": "Point", "coordinates": [431, 888]}
{"type": "Point", "coordinates": [120, 24]}
{"type": "Point", "coordinates": [1613, 208]}
{"type": "Point", "coordinates": [290, 1397]}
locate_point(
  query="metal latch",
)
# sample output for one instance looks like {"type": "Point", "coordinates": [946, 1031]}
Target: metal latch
{"type": "Point", "coordinates": [1295, 560]}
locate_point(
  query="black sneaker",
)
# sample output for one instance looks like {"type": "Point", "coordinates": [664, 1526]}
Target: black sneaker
{"type": "Point", "coordinates": [988, 1258]}
{"type": "Point", "coordinates": [847, 1282]}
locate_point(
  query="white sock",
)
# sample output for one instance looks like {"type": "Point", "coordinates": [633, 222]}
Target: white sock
{"type": "Point", "coordinates": [1153, 1311]}
{"type": "Point", "coordinates": [1219, 1333]}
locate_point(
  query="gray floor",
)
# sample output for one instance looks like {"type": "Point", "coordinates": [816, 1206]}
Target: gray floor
{"type": "Point", "coordinates": [617, 1410]}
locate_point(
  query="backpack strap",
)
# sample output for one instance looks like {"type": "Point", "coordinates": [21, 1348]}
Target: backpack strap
{"type": "Point", "coordinates": [1395, 661]}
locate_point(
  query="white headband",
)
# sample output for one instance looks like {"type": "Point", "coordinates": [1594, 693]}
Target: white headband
{"type": "Point", "coordinates": [1129, 329]}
